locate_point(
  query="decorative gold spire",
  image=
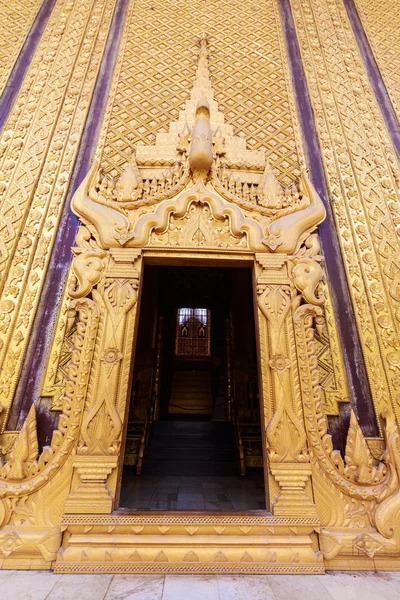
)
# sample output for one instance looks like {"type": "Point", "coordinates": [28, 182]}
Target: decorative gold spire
{"type": "Point", "coordinates": [221, 135]}
{"type": "Point", "coordinates": [201, 147]}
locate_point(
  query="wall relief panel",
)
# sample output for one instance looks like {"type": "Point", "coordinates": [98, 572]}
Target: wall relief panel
{"type": "Point", "coordinates": [16, 21]}
{"type": "Point", "coordinates": [196, 168]}
{"type": "Point", "coordinates": [38, 149]}
{"type": "Point", "coordinates": [380, 22]}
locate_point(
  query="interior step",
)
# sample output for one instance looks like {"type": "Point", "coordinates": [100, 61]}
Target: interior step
{"type": "Point", "coordinates": [192, 428]}
{"type": "Point", "coordinates": [191, 393]}
{"type": "Point", "coordinates": [187, 454]}
{"type": "Point", "coordinates": [186, 469]}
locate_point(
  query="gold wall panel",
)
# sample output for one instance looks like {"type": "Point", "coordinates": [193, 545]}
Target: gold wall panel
{"type": "Point", "coordinates": [57, 504]}
{"type": "Point", "coordinates": [248, 68]}
{"type": "Point", "coordinates": [363, 179]}
{"type": "Point", "coordinates": [249, 73]}
{"type": "Point", "coordinates": [16, 19]}
{"type": "Point", "coordinates": [381, 22]}
{"type": "Point", "coordinates": [38, 150]}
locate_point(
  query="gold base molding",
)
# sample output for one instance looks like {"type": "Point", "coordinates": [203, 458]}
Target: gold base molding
{"type": "Point", "coordinates": [188, 543]}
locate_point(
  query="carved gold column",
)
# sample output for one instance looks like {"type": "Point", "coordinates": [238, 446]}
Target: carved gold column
{"type": "Point", "coordinates": [99, 449]}
{"type": "Point", "coordinates": [285, 439]}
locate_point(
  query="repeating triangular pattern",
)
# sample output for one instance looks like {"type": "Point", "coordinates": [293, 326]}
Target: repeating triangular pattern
{"type": "Point", "coordinates": [381, 21]}
{"type": "Point", "coordinates": [16, 19]}
{"type": "Point", "coordinates": [248, 70]}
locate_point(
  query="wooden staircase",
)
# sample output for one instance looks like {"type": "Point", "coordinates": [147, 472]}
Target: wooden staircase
{"type": "Point", "coordinates": [191, 393]}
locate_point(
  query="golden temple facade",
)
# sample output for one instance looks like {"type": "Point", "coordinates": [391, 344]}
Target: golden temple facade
{"type": "Point", "coordinates": [199, 286]}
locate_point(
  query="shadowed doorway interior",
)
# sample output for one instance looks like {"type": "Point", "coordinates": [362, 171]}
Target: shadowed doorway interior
{"type": "Point", "coordinates": [193, 436]}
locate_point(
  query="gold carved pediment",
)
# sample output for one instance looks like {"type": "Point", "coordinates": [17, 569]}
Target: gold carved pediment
{"type": "Point", "coordinates": [205, 213]}
{"type": "Point", "coordinates": [198, 185]}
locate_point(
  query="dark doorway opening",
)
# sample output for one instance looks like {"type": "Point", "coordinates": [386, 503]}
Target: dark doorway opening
{"type": "Point", "coordinates": [194, 435]}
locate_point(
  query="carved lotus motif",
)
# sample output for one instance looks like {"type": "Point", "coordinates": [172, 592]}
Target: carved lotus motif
{"type": "Point", "coordinates": [279, 363]}
{"type": "Point", "coordinates": [272, 242]}
{"type": "Point", "coordinates": [122, 234]}
{"type": "Point", "coordinates": [368, 545]}
{"type": "Point", "coordinates": [112, 356]}
{"type": "Point", "coordinates": [6, 306]}
{"type": "Point", "coordinates": [10, 543]}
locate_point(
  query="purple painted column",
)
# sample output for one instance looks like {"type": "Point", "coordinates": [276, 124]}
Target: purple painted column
{"type": "Point", "coordinates": [359, 391]}
{"type": "Point", "coordinates": [23, 61]}
{"type": "Point", "coordinates": [374, 75]}
{"type": "Point", "coordinates": [30, 381]}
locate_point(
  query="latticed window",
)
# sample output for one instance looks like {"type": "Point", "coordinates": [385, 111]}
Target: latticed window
{"type": "Point", "coordinates": [193, 332]}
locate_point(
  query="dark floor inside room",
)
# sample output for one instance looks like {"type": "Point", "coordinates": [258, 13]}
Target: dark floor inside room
{"type": "Point", "coordinates": [174, 492]}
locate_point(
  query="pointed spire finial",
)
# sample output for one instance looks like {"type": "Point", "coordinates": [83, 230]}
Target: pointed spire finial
{"type": "Point", "coordinates": [202, 79]}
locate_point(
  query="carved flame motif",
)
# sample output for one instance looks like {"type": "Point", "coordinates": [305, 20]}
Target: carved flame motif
{"type": "Point", "coordinates": [25, 450]}
{"type": "Point", "coordinates": [360, 465]}
{"type": "Point", "coordinates": [161, 181]}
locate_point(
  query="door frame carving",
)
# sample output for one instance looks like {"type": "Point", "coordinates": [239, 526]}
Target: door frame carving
{"type": "Point", "coordinates": [199, 194]}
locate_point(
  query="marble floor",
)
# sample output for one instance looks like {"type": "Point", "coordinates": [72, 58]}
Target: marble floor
{"type": "Point", "coordinates": [44, 585]}
{"type": "Point", "coordinates": [154, 492]}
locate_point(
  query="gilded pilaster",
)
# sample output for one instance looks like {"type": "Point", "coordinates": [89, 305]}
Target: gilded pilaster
{"type": "Point", "coordinates": [362, 175]}
{"type": "Point", "coordinates": [99, 446]}
{"type": "Point", "coordinates": [288, 459]}
{"type": "Point", "coordinates": [39, 146]}
{"type": "Point", "coordinates": [16, 19]}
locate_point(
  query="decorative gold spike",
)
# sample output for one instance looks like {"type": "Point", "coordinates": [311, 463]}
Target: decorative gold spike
{"type": "Point", "coordinates": [25, 450]}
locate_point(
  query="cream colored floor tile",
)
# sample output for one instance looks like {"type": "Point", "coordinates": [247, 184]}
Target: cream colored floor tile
{"type": "Point", "coordinates": [4, 575]}
{"type": "Point", "coordinates": [387, 584]}
{"type": "Point", "coordinates": [353, 586]}
{"type": "Point", "coordinates": [190, 587]}
{"type": "Point", "coordinates": [242, 587]}
{"type": "Point", "coordinates": [298, 587]}
{"type": "Point", "coordinates": [28, 585]}
{"type": "Point", "coordinates": [136, 587]}
{"type": "Point", "coordinates": [80, 587]}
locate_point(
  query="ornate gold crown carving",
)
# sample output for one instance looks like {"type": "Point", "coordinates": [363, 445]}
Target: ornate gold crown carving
{"type": "Point", "coordinates": [199, 161]}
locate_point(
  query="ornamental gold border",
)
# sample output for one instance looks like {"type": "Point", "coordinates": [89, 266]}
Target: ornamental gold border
{"type": "Point", "coordinates": [16, 19]}
{"type": "Point", "coordinates": [41, 140]}
{"type": "Point", "coordinates": [363, 175]}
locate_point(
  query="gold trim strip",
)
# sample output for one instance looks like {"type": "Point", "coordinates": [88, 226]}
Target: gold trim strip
{"type": "Point", "coordinates": [381, 22]}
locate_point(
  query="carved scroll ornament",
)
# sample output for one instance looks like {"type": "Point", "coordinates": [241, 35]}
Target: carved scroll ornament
{"type": "Point", "coordinates": [201, 188]}
{"type": "Point", "coordinates": [367, 487]}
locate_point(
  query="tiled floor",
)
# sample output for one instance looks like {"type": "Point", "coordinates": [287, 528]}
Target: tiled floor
{"type": "Point", "coordinates": [43, 585]}
{"type": "Point", "coordinates": [193, 493]}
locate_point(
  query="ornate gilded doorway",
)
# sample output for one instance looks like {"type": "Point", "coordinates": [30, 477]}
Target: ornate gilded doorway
{"type": "Point", "coordinates": [197, 198]}
{"type": "Point", "coordinates": [194, 425]}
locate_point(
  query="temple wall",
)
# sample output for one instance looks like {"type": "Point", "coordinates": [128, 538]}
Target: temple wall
{"type": "Point", "coordinates": [307, 308]}
{"type": "Point", "coordinates": [15, 22]}
{"type": "Point", "coordinates": [248, 67]}
{"type": "Point", "coordinates": [362, 174]}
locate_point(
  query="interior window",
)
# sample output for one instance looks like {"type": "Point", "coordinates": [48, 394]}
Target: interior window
{"type": "Point", "coordinates": [193, 332]}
